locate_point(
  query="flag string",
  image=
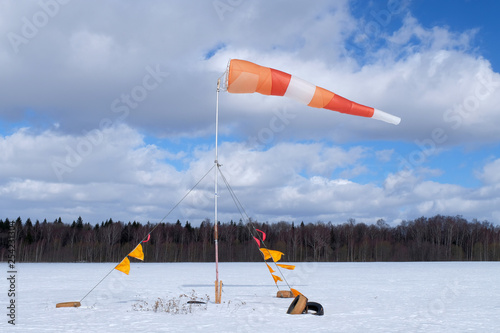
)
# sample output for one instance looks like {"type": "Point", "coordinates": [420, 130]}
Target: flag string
{"type": "Point", "coordinates": [242, 211]}
{"type": "Point", "coordinates": [146, 238]}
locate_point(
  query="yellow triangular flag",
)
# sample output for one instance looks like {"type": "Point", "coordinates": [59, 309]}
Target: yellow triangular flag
{"type": "Point", "coordinates": [270, 269]}
{"type": "Point", "coordinates": [271, 253]}
{"type": "Point", "coordinates": [124, 266]}
{"type": "Point", "coordinates": [295, 292]}
{"type": "Point", "coordinates": [290, 267]}
{"type": "Point", "coordinates": [276, 278]}
{"type": "Point", "coordinates": [137, 253]}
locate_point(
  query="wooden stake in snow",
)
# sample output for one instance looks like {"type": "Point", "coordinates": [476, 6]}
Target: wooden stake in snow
{"type": "Point", "coordinates": [68, 305]}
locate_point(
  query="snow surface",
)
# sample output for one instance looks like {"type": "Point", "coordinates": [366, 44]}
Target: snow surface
{"type": "Point", "coordinates": [357, 297]}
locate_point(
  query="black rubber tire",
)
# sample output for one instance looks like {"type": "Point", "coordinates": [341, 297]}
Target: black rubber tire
{"type": "Point", "coordinates": [316, 307]}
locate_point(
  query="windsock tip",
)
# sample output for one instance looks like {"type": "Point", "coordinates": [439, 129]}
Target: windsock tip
{"type": "Point", "coordinates": [384, 116]}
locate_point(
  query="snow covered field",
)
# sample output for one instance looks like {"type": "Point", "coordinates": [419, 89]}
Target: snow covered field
{"type": "Point", "coordinates": [357, 297]}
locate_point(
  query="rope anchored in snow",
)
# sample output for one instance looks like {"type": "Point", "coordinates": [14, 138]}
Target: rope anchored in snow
{"type": "Point", "coordinates": [122, 266]}
{"type": "Point", "coordinates": [259, 236]}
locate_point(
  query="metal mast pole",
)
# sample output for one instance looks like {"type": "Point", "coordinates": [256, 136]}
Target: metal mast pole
{"type": "Point", "coordinates": [218, 285]}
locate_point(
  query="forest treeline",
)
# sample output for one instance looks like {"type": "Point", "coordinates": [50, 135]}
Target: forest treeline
{"type": "Point", "coordinates": [439, 238]}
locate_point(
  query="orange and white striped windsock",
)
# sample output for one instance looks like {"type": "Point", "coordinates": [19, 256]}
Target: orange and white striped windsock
{"type": "Point", "coordinates": [246, 77]}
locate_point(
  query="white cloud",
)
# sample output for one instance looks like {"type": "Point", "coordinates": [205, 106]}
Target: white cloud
{"type": "Point", "coordinates": [490, 174]}
{"type": "Point", "coordinates": [125, 178]}
{"type": "Point", "coordinates": [92, 57]}
{"type": "Point", "coordinates": [384, 155]}
{"type": "Point", "coordinates": [90, 51]}
{"type": "Point", "coordinates": [96, 161]}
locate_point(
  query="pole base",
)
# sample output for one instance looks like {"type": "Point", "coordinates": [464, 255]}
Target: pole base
{"type": "Point", "coordinates": [218, 292]}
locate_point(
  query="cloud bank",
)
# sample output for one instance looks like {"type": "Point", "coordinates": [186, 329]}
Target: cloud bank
{"type": "Point", "coordinates": [108, 111]}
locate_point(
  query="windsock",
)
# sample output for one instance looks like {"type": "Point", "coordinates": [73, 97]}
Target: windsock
{"type": "Point", "coordinates": [246, 77]}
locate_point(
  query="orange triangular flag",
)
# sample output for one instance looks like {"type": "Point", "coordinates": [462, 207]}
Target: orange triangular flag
{"type": "Point", "coordinates": [270, 269]}
{"type": "Point", "coordinates": [124, 266]}
{"type": "Point", "coordinates": [295, 292]}
{"type": "Point", "coordinates": [276, 278]}
{"type": "Point", "coordinates": [137, 253]}
{"type": "Point", "coordinates": [290, 267]}
{"type": "Point", "coordinates": [276, 255]}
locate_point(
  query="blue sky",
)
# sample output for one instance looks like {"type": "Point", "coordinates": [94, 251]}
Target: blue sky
{"type": "Point", "coordinates": [457, 15]}
{"type": "Point", "coordinates": [463, 15]}
{"type": "Point", "coordinates": [107, 110]}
